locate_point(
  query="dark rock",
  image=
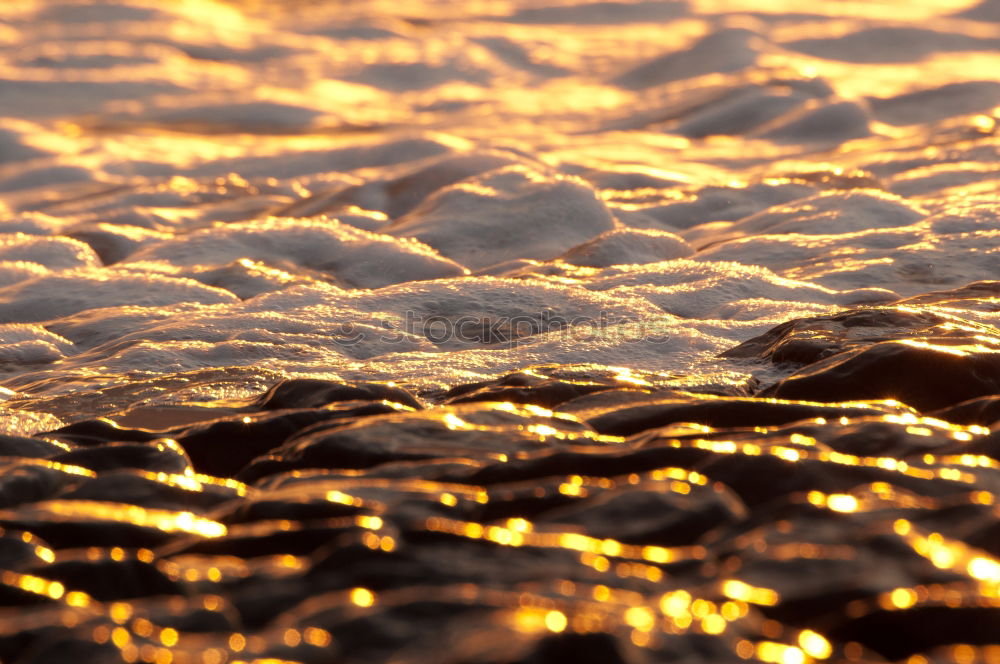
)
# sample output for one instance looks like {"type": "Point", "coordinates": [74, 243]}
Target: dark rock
{"type": "Point", "coordinates": [639, 456]}
{"type": "Point", "coordinates": [982, 410]}
{"type": "Point", "coordinates": [594, 648]}
{"type": "Point", "coordinates": [98, 431]}
{"type": "Point", "coordinates": [31, 448]}
{"type": "Point", "coordinates": [29, 482]}
{"type": "Point", "coordinates": [898, 634]}
{"type": "Point", "coordinates": [191, 614]}
{"type": "Point", "coordinates": [873, 438]}
{"type": "Point", "coordinates": [722, 412]}
{"type": "Point", "coordinates": [523, 387]}
{"type": "Point", "coordinates": [346, 562]}
{"type": "Point", "coordinates": [473, 431]}
{"type": "Point", "coordinates": [650, 514]}
{"type": "Point", "coordinates": [376, 636]}
{"type": "Point", "coordinates": [988, 445]}
{"type": "Point", "coordinates": [159, 456]}
{"type": "Point", "coordinates": [20, 551]}
{"type": "Point", "coordinates": [222, 447]}
{"type": "Point", "coordinates": [58, 645]}
{"type": "Point", "coordinates": [316, 393]}
{"type": "Point", "coordinates": [808, 340]}
{"type": "Point", "coordinates": [758, 480]}
{"type": "Point", "coordinates": [106, 578]}
{"type": "Point", "coordinates": [923, 374]}
{"type": "Point", "coordinates": [172, 492]}
{"type": "Point", "coordinates": [471, 521]}
{"type": "Point", "coordinates": [595, 403]}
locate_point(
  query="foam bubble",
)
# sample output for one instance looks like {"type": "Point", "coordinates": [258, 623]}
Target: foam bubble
{"type": "Point", "coordinates": [509, 213]}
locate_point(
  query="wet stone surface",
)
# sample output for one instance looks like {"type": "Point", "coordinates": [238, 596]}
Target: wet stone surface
{"type": "Point", "coordinates": [846, 511]}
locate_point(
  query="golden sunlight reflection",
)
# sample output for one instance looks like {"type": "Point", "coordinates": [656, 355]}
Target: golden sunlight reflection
{"type": "Point", "coordinates": [362, 597]}
{"type": "Point", "coordinates": [33, 584]}
{"type": "Point", "coordinates": [555, 621]}
{"type": "Point", "coordinates": [779, 653]}
{"type": "Point", "coordinates": [525, 535]}
{"type": "Point", "coordinates": [229, 430]}
{"type": "Point", "coordinates": [736, 589]}
{"type": "Point", "coordinates": [814, 644]}
{"type": "Point", "coordinates": [165, 520]}
{"type": "Point", "coordinates": [948, 554]}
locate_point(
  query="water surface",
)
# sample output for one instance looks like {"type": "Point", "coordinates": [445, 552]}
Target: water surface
{"type": "Point", "coordinates": [499, 331]}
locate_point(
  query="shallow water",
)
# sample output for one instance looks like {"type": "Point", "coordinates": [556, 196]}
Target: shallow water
{"type": "Point", "coordinates": [499, 332]}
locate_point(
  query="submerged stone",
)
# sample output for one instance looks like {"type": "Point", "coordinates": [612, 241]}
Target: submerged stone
{"type": "Point", "coordinates": [925, 374]}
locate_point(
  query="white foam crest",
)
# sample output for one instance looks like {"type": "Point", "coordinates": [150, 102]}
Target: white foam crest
{"type": "Point", "coordinates": [426, 192]}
